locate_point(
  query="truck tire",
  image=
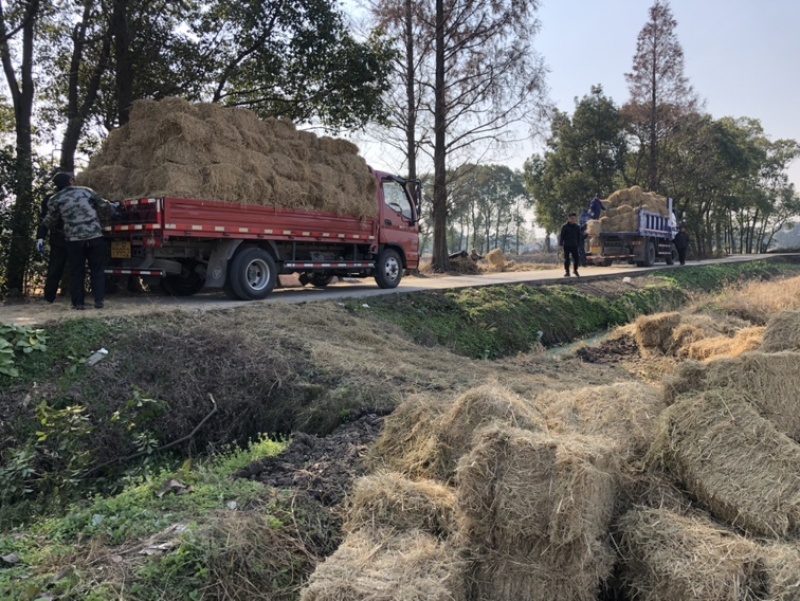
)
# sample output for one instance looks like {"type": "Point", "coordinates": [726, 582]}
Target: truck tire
{"type": "Point", "coordinates": [189, 282]}
{"type": "Point", "coordinates": [388, 269]}
{"type": "Point", "coordinates": [252, 273]}
{"type": "Point", "coordinates": [672, 256]}
{"type": "Point", "coordinates": [649, 254]}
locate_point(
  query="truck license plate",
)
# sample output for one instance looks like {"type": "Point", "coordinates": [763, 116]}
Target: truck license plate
{"type": "Point", "coordinates": [120, 250]}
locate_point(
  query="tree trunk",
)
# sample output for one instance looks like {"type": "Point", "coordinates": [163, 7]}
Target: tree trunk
{"type": "Point", "coordinates": [441, 259]}
{"type": "Point", "coordinates": [124, 74]}
{"type": "Point", "coordinates": [411, 131]}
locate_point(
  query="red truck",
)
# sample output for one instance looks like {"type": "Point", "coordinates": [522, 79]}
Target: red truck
{"type": "Point", "coordinates": [185, 245]}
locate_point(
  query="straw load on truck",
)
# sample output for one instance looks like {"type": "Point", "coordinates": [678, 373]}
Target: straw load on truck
{"type": "Point", "coordinates": [209, 152]}
{"type": "Point", "coordinates": [622, 210]}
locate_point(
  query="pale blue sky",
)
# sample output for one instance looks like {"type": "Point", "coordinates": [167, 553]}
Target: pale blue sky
{"type": "Point", "coordinates": [741, 57]}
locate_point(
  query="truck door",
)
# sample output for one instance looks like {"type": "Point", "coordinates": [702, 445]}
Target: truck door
{"type": "Point", "coordinates": [398, 220]}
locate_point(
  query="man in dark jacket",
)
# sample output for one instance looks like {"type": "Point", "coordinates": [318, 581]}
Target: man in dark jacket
{"type": "Point", "coordinates": [57, 259]}
{"type": "Point", "coordinates": [681, 243]}
{"type": "Point", "coordinates": [79, 209]}
{"type": "Point", "coordinates": [570, 239]}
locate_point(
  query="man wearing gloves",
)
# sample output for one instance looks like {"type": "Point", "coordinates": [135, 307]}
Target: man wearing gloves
{"type": "Point", "coordinates": [78, 209]}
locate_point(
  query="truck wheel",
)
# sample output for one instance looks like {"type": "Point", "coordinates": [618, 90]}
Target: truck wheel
{"type": "Point", "coordinates": [649, 254]}
{"type": "Point", "coordinates": [606, 263]}
{"type": "Point", "coordinates": [189, 282]}
{"type": "Point", "coordinates": [252, 274]}
{"type": "Point", "coordinates": [321, 279]}
{"type": "Point", "coordinates": [388, 269]}
{"type": "Point", "coordinates": [672, 256]}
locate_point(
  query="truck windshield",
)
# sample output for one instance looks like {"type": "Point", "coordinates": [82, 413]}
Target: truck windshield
{"type": "Point", "coordinates": [394, 195]}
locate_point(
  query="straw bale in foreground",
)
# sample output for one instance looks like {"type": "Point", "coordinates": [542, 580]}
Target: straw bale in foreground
{"type": "Point", "coordinates": [371, 566]}
{"type": "Point", "coordinates": [782, 569]}
{"type": "Point", "coordinates": [653, 333]}
{"type": "Point", "coordinates": [575, 573]}
{"type": "Point", "coordinates": [518, 488]}
{"type": "Point", "coordinates": [408, 440]}
{"type": "Point", "coordinates": [782, 333]}
{"type": "Point", "coordinates": [668, 557]}
{"type": "Point", "coordinates": [474, 409]}
{"type": "Point", "coordinates": [496, 257]}
{"type": "Point", "coordinates": [770, 381]}
{"type": "Point", "coordinates": [392, 503]}
{"type": "Point", "coordinates": [734, 461]}
{"type": "Point", "coordinates": [625, 412]}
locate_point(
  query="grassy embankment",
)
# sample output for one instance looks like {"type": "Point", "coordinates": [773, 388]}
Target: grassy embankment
{"type": "Point", "coordinates": [268, 370]}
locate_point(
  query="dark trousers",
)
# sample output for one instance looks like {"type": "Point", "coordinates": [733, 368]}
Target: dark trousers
{"type": "Point", "coordinates": [571, 251]}
{"type": "Point", "coordinates": [56, 263]}
{"type": "Point", "coordinates": [79, 253]}
{"type": "Point", "coordinates": [682, 255]}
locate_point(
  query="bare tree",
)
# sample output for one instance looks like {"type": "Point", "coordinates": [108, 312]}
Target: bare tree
{"type": "Point", "coordinates": [660, 92]}
{"type": "Point", "coordinates": [478, 79]}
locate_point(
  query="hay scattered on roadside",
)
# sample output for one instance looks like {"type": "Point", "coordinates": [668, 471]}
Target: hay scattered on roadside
{"type": "Point", "coordinates": [718, 347]}
{"type": "Point", "coordinates": [391, 503]}
{"type": "Point", "coordinates": [770, 381]}
{"type": "Point", "coordinates": [174, 148]}
{"type": "Point", "coordinates": [668, 556]}
{"type": "Point", "coordinates": [733, 461]}
{"type": "Point", "coordinates": [374, 566]}
{"type": "Point", "coordinates": [654, 333]}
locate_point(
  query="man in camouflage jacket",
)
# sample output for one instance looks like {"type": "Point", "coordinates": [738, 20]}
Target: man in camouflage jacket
{"type": "Point", "coordinates": [78, 209]}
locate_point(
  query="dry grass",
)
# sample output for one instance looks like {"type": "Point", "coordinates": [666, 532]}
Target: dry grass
{"type": "Point", "coordinates": [757, 301]}
{"type": "Point", "coordinates": [782, 333]}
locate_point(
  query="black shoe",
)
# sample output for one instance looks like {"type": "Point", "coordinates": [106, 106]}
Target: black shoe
{"type": "Point", "coordinates": [79, 307]}
{"type": "Point", "coordinates": [566, 275]}
{"type": "Point", "coordinates": [577, 275]}
{"type": "Point", "coordinates": [98, 304]}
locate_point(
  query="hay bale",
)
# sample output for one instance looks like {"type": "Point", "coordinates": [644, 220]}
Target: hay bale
{"type": "Point", "coordinates": [408, 440]}
{"type": "Point", "coordinates": [392, 503]}
{"type": "Point", "coordinates": [626, 413]}
{"type": "Point", "coordinates": [374, 566]}
{"type": "Point", "coordinates": [717, 347]}
{"type": "Point", "coordinates": [770, 381]}
{"type": "Point", "coordinates": [594, 227]}
{"type": "Point", "coordinates": [782, 333]}
{"type": "Point", "coordinates": [666, 556]}
{"type": "Point", "coordinates": [733, 461]}
{"type": "Point", "coordinates": [575, 573]}
{"type": "Point", "coordinates": [654, 333]}
{"type": "Point", "coordinates": [519, 488]}
{"type": "Point", "coordinates": [782, 571]}
{"type": "Point", "coordinates": [472, 411]}
{"type": "Point", "coordinates": [266, 162]}
{"type": "Point", "coordinates": [496, 257]}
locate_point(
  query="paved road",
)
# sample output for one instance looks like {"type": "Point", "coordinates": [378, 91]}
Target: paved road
{"type": "Point", "coordinates": [38, 312]}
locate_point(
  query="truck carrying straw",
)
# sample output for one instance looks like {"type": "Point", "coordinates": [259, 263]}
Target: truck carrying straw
{"type": "Point", "coordinates": [638, 228]}
{"type": "Point", "coordinates": [213, 197]}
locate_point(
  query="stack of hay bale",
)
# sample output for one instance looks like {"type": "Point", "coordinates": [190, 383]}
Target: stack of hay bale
{"type": "Point", "coordinates": [622, 210]}
{"type": "Point", "coordinates": [206, 151]}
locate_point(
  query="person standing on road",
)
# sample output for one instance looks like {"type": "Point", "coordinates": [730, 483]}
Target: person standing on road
{"type": "Point", "coordinates": [78, 209]}
{"type": "Point", "coordinates": [57, 259]}
{"type": "Point", "coordinates": [681, 243]}
{"type": "Point", "coordinates": [569, 240]}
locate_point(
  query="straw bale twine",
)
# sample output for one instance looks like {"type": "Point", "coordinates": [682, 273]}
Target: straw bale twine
{"type": "Point", "coordinates": [518, 488]}
{"type": "Point", "coordinates": [543, 573]}
{"type": "Point", "coordinates": [782, 333]}
{"type": "Point", "coordinates": [273, 160]}
{"type": "Point", "coordinates": [654, 333]}
{"type": "Point", "coordinates": [733, 460]}
{"type": "Point", "coordinates": [770, 381]}
{"type": "Point", "coordinates": [705, 349]}
{"type": "Point", "coordinates": [393, 503]}
{"type": "Point", "coordinates": [471, 411]}
{"type": "Point", "coordinates": [371, 566]}
{"type": "Point", "coordinates": [666, 556]}
{"type": "Point", "coordinates": [625, 412]}
{"type": "Point", "coordinates": [594, 227]}
{"type": "Point", "coordinates": [408, 440]}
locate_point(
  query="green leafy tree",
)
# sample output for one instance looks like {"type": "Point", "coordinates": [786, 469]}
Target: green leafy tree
{"type": "Point", "coordinates": [584, 155]}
